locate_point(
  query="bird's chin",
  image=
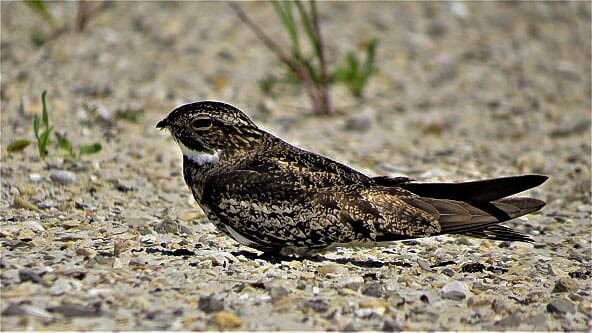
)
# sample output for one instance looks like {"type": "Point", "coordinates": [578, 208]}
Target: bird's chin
{"type": "Point", "coordinates": [198, 156]}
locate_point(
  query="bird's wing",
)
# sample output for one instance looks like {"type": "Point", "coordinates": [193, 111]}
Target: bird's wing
{"type": "Point", "coordinates": [386, 214]}
{"type": "Point", "coordinates": [271, 211]}
{"type": "Point", "coordinates": [305, 168]}
{"type": "Point", "coordinates": [371, 214]}
{"type": "Point", "coordinates": [484, 190]}
{"type": "Point", "coordinates": [252, 185]}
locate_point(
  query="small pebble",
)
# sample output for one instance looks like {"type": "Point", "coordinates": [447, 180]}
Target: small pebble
{"type": "Point", "coordinates": [390, 324]}
{"type": "Point", "coordinates": [277, 293]}
{"type": "Point", "coordinates": [318, 305]}
{"type": "Point", "coordinates": [360, 123]}
{"type": "Point", "coordinates": [373, 290]}
{"type": "Point", "coordinates": [35, 177]}
{"type": "Point", "coordinates": [448, 272]}
{"type": "Point", "coordinates": [60, 287]}
{"type": "Point", "coordinates": [424, 264]}
{"type": "Point", "coordinates": [561, 306]}
{"type": "Point", "coordinates": [455, 290]}
{"type": "Point", "coordinates": [64, 177]}
{"type": "Point", "coordinates": [472, 267]}
{"type": "Point", "coordinates": [227, 320]}
{"type": "Point", "coordinates": [211, 303]}
{"type": "Point", "coordinates": [564, 285]}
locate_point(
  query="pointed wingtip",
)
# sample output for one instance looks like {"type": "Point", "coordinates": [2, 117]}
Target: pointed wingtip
{"type": "Point", "coordinates": [535, 179]}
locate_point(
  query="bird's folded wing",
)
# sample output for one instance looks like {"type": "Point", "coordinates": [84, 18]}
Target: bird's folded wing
{"type": "Point", "coordinates": [252, 186]}
{"type": "Point", "coordinates": [307, 169]}
{"type": "Point", "coordinates": [377, 213]}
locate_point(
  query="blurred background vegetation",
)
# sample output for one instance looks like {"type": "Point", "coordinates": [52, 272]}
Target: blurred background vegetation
{"type": "Point", "coordinates": [109, 62]}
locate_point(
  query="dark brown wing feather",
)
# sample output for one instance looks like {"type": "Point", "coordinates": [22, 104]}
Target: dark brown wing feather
{"type": "Point", "coordinates": [473, 208]}
{"type": "Point", "coordinates": [477, 219]}
{"type": "Point", "coordinates": [476, 191]}
{"type": "Point", "coordinates": [499, 232]}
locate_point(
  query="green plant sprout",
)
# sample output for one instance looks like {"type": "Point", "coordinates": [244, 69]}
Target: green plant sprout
{"type": "Point", "coordinates": [43, 138]}
{"type": "Point", "coordinates": [354, 74]}
{"type": "Point", "coordinates": [85, 12]}
{"type": "Point", "coordinates": [310, 69]}
{"type": "Point", "coordinates": [18, 145]}
{"type": "Point", "coordinates": [38, 6]}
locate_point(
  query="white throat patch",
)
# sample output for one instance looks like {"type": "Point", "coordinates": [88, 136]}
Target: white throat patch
{"type": "Point", "coordinates": [200, 158]}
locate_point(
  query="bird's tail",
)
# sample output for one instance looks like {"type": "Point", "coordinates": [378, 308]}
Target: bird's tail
{"type": "Point", "coordinates": [475, 208]}
{"type": "Point", "coordinates": [480, 219]}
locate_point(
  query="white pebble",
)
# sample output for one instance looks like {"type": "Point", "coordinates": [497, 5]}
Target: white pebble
{"type": "Point", "coordinates": [63, 176]}
{"type": "Point", "coordinates": [35, 177]}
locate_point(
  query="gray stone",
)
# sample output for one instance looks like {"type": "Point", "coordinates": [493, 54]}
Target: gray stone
{"type": "Point", "coordinates": [390, 324]}
{"type": "Point", "coordinates": [561, 306]}
{"type": "Point", "coordinates": [60, 287]}
{"type": "Point", "coordinates": [318, 305]}
{"type": "Point", "coordinates": [64, 177]}
{"type": "Point", "coordinates": [509, 321]}
{"type": "Point", "coordinates": [277, 293]}
{"type": "Point", "coordinates": [136, 262]}
{"type": "Point", "coordinates": [77, 310]}
{"type": "Point", "coordinates": [211, 303]}
{"type": "Point", "coordinates": [359, 123]}
{"type": "Point", "coordinates": [167, 226]}
{"type": "Point", "coordinates": [16, 309]}
{"type": "Point", "coordinates": [455, 290]}
{"type": "Point", "coordinates": [424, 264]}
{"type": "Point", "coordinates": [28, 275]}
{"type": "Point", "coordinates": [47, 204]}
{"type": "Point", "coordinates": [564, 285]}
{"type": "Point", "coordinates": [448, 272]}
{"type": "Point", "coordinates": [373, 290]}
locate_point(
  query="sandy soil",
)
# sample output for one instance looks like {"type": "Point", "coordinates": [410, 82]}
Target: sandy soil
{"type": "Point", "coordinates": [465, 90]}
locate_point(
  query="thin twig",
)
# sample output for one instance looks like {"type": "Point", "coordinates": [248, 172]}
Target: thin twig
{"type": "Point", "coordinates": [86, 11]}
{"type": "Point", "coordinates": [318, 95]}
{"type": "Point", "coordinates": [261, 35]}
{"type": "Point", "coordinates": [322, 62]}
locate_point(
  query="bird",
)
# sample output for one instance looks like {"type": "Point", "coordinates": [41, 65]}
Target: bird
{"type": "Point", "coordinates": [272, 196]}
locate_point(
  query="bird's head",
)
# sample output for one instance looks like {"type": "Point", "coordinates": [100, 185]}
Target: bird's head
{"type": "Point", "coordinates": [204, 130]}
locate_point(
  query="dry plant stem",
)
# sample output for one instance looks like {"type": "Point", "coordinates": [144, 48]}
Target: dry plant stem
{"type": "Point", "coordinates": [318, 94]}
{"type": "Point", "coordinates": [325, 96]}
{"type": "Point", "coordinates": [86, 11]}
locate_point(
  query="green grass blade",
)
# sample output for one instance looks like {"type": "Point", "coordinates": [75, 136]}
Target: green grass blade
{"type": "Point", "coordinates": [45, 113]}
{"type": "Point", "coordinates": [284, 11]}
{"type": "Point", "coordinates": [64, 143]}
{"type": "Point", "coordinates": [44, 142]}
{"type": "Point", "coordinates": [353, 64]}
{"type": "Point", "coordinates": [45, 136]}
{"type": "Point", "coordinates": [306, 20]}
{"type": "Point", "coordinates": [18, 145]}
{"type": "Point", "coordinates": [90, 149]}
{"type": "Point", "coordinates": [38, 6]}
{"type": "Point", "coordinates": [369, 67]}
{"type": "Point", "coordinates": [36, 126]}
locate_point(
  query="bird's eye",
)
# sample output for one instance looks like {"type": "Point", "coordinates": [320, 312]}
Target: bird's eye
{"type": "Point", "coordinates": [201, 124]}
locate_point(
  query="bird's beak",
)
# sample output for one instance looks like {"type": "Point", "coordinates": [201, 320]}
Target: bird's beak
{"type": "Point", "coordinates": [162, 124]}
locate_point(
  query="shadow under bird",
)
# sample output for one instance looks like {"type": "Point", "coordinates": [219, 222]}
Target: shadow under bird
{"type": "Point", "coordinates": [272, 196]}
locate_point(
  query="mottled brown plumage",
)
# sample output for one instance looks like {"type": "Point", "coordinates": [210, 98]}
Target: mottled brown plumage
{"type": "Point", "coordinates": [270, 195]}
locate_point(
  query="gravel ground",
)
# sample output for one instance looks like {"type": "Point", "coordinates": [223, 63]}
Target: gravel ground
{"type": "Point", "coordinates": [465, 90]}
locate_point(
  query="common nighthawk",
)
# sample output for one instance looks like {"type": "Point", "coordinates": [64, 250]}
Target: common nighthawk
{"type": "Point", "coordinates": [270, 195]}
